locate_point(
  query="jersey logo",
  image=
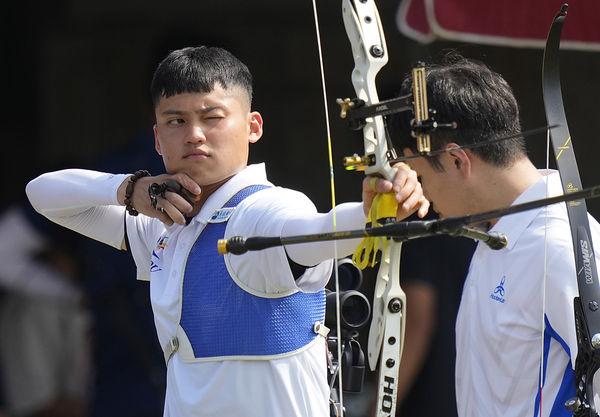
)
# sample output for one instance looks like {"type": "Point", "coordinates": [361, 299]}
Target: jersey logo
{"type": "Point", "coordinates": [160, 246]}
{"type": "Point", "coordinates": [222, 215]}
{"type": "Point", "coordinates": [162, 243]}
{"type": "Point", "coordinates": [498, 293]}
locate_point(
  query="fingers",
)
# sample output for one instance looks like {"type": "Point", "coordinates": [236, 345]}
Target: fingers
{"type": "Point", "coordinates": [377, 185]}
{"type": "Point", "coordinates": [161, 214]}
{"type": "Point", "coordinates": [406, 187]}
{"type": "Point", "coordinates": [424, 206]}
{"type": "Point", "coordinates": [402, 184]}
{"type": "Point", "coordinates": [187, 183]}
{"type": "Point", "coordinates": [409, 192]}
{"type": "Point", "coordinates": [420, 206]}
{"type": "Point", "coordinates": [172, 208]}
{"type": "Point", "coordinates": [161, 203]}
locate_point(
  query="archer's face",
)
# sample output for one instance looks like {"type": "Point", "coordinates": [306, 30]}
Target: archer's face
{"type": "Point", "coordinates": [206, 135]}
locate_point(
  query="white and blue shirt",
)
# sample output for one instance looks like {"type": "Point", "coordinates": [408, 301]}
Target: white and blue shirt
{"type": "Point", "coordinates": [291, 386]}
{"type": "Point", "coordinates": [499, 338]}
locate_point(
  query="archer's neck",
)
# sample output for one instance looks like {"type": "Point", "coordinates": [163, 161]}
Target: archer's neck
{"type": "Point", "coordinates": [207, 191]}
{"type": "Point", "coordinates": [504, 185]}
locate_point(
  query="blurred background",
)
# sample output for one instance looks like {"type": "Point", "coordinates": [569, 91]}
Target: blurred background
{"type": "Point", "coordinates": [76, 77]}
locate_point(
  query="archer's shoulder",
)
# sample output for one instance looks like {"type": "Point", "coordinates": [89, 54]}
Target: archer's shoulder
{"type": "Point", "coordinates": [277, 198]}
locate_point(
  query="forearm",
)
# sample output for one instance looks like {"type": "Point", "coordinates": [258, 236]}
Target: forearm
{"type": "Point", "coordinates": [348, 216]}
{"type": "Point", "coordinates": [81, 200]}
{"type": "Point", "coordinates": [70, 191]}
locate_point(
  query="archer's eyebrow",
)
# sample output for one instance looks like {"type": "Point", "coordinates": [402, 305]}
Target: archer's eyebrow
{"type": "Point", "coordinates": [171, 112]}
{"type": "Point", "coordinates": [205, 110]}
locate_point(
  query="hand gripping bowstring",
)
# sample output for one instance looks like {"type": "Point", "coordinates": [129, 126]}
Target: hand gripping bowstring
{"type": "Point", "coordinates": [586, 306]}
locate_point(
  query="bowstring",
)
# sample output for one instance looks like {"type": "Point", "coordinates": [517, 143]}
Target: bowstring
{"type": "Point", "coordinates": [544, 273]}
{"type": "Point", "coordinates": [333, 211]}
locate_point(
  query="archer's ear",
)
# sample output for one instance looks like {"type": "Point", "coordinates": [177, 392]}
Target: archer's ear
{"type": "Point", "coordinates": [256, 126]}
{"type": "Point", "coordinates": [461, 160]}
{"type": "Point", "coordinates": [156, 142]}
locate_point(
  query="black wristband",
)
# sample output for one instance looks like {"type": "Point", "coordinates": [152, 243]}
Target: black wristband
{"type": "Point", "coordinates": [129, 190]}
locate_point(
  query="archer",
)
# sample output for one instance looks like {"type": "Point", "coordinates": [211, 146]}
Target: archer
{"type": "Point", "coordinates": [234, 329]}
{"type": "Point", "coordinates": [515, 297]}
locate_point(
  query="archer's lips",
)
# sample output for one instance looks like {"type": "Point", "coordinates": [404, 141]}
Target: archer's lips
{"type": "Point", "coordinates": [196, 154]}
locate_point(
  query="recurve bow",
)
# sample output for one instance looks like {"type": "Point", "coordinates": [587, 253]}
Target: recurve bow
{"type": "Point", "coordinates": [587, 305]}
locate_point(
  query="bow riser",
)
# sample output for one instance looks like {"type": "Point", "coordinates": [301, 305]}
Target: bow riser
{"type": "Point", "coordinates": [369, 49]}
{"type": "Point", "coordinates": [386, 334]}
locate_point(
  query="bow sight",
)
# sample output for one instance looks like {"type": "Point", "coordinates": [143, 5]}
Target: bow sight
{"type": "Point", "coordinates": [356, 112]}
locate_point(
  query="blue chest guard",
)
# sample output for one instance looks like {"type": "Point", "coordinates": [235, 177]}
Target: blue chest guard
{"type": "Point", "coordinates": [221, 320]}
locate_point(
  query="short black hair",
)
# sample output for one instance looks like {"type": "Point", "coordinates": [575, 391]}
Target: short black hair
{"type": "Point", "coordinates": [474, 96]}
{"type": "Point", "coordinates": [198, 70]}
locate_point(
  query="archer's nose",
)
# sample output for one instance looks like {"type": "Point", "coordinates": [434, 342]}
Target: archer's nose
{"type": "Point", "coordinates": [196, 134]}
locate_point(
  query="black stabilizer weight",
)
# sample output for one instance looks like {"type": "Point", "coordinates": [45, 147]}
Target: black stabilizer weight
{"type": "Point", "coordinates": [237, 245]}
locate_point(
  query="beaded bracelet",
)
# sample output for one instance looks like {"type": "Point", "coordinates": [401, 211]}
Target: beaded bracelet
{"type": "Point", "coordinates": [129, 190]}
